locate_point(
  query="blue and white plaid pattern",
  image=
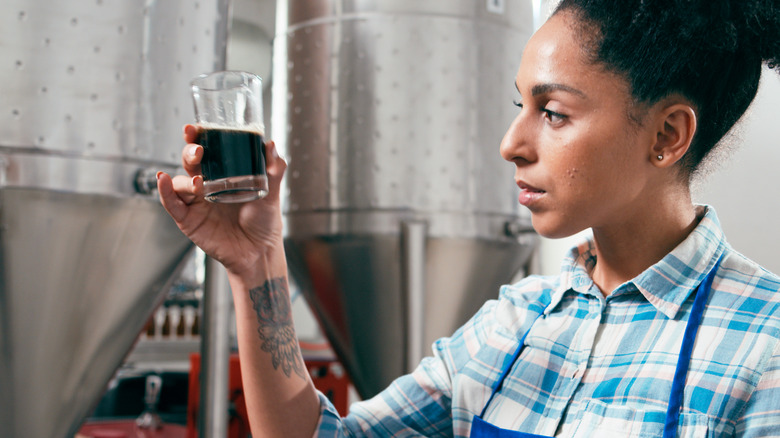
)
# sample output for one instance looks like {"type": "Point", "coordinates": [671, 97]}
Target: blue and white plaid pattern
{"type": "Point", "coordinates": [600, 366]}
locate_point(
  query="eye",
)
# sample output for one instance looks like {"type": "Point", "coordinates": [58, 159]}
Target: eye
{"type": "Point", "coordinates": [517, 103]}
{"type": "Point", "coordinates": [553, 117]}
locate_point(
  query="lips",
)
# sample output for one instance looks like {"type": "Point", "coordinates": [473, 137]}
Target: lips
{"type": "Point", "coordinates": [529, 194]}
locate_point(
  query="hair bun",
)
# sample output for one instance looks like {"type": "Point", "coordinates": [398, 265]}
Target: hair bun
{"type": "Point", "coordinates": [708, 51]}
{"type": "Point", "coordinates": [757, 23]}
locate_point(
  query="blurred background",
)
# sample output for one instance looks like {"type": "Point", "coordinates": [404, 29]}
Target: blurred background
{"type": "Point", "coordinates": [401, 217]}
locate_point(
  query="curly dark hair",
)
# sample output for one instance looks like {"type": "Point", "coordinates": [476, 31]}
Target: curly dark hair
{"type": "Point", "coordinates": [708, 51]}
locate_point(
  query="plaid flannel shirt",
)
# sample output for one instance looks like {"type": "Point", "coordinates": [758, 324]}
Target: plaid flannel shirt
{"type": "Point", "coordinates": [599, 366]}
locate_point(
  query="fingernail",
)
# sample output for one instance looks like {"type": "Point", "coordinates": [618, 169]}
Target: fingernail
{"type": "Point", "coordinates": [159, 174]}
{"type": "Point", "coordinates": [193, 151]}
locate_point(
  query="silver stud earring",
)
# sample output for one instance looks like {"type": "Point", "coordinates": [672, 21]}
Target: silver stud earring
{"type": "Point", "coordinates": [660, 157]}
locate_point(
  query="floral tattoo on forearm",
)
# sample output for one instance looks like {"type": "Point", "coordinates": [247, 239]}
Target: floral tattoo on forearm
{"type": "Point", "coordinates": [272, 305]}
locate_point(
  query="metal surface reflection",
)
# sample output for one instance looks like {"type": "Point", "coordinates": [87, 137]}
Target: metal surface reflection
{"type": "Point", "coordinates": [94, 95]}
{"type": "Point", "coordinates": [391, 113]}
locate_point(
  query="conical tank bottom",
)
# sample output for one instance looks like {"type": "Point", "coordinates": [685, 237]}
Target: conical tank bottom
{"type": "Point", "coordinates": [355, 286]}
{"type": "Point", "coordinates": [79, 276]}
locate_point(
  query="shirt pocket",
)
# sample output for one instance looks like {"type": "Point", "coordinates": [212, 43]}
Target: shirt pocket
{"type": "Point", "coordinates": [603, 420]}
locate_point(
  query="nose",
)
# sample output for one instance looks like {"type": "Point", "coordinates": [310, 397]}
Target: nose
{"type": "Point", "coordinates": [517, 144]}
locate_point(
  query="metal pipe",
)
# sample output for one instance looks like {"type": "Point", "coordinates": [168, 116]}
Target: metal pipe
{"type": "Point", "coordinates": [215, 353]}
{"type": "Point", "coordinates": [413, 235]}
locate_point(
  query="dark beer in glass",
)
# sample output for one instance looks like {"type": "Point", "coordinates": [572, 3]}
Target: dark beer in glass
{"type": "Point", "coordinates": [229, 114]}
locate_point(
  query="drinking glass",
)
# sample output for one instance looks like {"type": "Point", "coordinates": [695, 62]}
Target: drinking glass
{"type": "Point", "coordinates": [229, 115]}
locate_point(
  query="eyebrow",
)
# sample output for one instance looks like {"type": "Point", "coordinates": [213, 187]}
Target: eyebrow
{"type": "Point", "coordinates": [547, 88]}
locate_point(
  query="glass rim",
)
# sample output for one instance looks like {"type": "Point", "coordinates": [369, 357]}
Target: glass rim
{"type": "Point", "coordinates": [200, 82]}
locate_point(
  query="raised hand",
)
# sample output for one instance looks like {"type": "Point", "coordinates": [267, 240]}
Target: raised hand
{"type": "Point", "coordinates": [236, 235]}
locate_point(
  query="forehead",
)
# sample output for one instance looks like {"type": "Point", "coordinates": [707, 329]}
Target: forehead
{"type": "Point", "coordinates": [555, 54]}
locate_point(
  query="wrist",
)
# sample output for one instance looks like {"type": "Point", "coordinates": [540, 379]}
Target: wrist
{"type": "Point", "coordinates": [252, 270]}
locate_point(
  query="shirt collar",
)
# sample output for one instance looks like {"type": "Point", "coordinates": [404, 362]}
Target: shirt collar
{"type": "Point", "coordinates": [575, 272]}
{"type": "Point", "coordinates": [666, 284]}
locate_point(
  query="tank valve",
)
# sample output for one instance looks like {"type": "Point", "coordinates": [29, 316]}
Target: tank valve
{"type": "Point", "coordinates": [149, 419]}
{"type": "Point", "coordinates": [516, 229]}
{"type": "Point", "coordinates": [145, 181]}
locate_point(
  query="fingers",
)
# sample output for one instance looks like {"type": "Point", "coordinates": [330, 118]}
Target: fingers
{"type": "Point", "coordinates": [191, 133]}
{"type": "Point", "coordinates": [176, 194]}
{"type": "Point", "coordinates": [275, 167]}
{"type": "Point", "coordinates": [192, 154]}
{"type": "Point", "coordinates": [175, 206]}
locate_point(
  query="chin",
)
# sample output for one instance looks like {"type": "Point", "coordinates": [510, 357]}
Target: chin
{"type": "Point", "coordinates": [553, 229]}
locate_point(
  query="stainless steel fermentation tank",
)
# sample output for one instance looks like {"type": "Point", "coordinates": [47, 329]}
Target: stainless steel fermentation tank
{"type": "Point", "coordinates": [94, 94]}
{"type": "Point", "coordinates": [402, 217]}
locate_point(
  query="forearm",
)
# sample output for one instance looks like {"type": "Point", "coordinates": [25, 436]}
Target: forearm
{"type": "Point", "coordinates": [279, 394]}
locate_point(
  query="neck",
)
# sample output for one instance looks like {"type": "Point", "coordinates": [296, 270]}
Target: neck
{"type": "Point", "coordinates": [627, 249]}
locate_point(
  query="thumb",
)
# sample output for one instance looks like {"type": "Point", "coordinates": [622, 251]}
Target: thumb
{"type": "Point", "coordinates": [275, 167]}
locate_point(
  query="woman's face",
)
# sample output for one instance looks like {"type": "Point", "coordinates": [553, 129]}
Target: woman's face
{"type": "Point", "coordinates": [579, 161]}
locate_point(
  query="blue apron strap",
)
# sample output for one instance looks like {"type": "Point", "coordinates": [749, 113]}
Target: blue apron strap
{"type": "Point", "coordinates": [482, 429]}
{"type": "Point", "coordinates": [684, 359]}
{"type": "Point", "coordinates": [507, 367]}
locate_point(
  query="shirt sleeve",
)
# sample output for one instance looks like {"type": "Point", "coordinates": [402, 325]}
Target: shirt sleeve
{"type": "Point", "coordinates": [761, 417]}
{"type": "Point", "coordinates": [417, 404]}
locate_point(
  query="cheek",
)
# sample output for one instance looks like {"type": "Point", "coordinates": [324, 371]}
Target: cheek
{"type": "Point", "coordinates": [582, 161]}
{"type": "Point", "coordinates": [572, 177]}
{"type": "Point", "coordinates": [585, 177]}
{"type": "Point", "coordinates": [572, 174]}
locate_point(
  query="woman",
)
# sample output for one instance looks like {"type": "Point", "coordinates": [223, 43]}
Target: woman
{"type": "Point", "coordinates": [655, 326]}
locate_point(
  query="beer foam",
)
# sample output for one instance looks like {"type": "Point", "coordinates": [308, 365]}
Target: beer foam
{"type": "Point", "coordinates": [253, 127]}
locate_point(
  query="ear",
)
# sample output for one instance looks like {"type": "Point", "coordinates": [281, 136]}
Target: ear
{"type": "Point", "coordinates": [675, 128]}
